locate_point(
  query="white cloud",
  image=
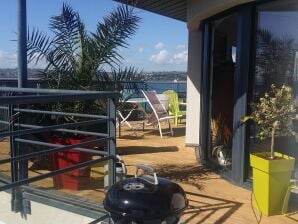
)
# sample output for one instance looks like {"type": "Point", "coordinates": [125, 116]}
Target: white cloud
{"type": "Point", "coordinates": [159, 46]}
{"type": "Point", "coordinates": [161, 57]}
{"type": "Point", "coordinates": [141, 50]}
{"type": "Point", "coordinates": [180, 58]}
{"type": "Point", "coordinates": [8, 60]}
{"type": "Point", "coordinates": [180, 47]}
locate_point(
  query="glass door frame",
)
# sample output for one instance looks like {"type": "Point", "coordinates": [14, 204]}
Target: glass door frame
{"type": "Point", "coordinates": [242, 89]}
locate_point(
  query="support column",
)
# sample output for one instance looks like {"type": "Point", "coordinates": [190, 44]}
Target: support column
{"type": "Point", "coordinates": [19, 204]}
{"type": "Point", "coordinates": [194, 76]}
{"type": "Point", "coordinates": [22, 43]}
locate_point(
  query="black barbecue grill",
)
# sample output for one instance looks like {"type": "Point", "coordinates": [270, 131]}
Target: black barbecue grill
{"type": "Point", "coordinates": [145, 199]}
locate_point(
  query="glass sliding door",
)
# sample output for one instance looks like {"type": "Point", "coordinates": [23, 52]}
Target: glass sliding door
{"type": "Point", "coordinates": [223, 62]}
{"type": "Point", "coordinates": [226, 71]}
{"type": "Point", "coordinates": [276, 63]}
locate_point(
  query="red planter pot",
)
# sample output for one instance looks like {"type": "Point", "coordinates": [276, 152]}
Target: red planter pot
{"type": "Point", "coordinates": [76, 179]}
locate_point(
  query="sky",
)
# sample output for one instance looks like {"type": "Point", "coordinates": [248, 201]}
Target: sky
{"type": "Point", "coordinates": [160, 43]}
{"type": "Point", "coordinates": [280, 24]}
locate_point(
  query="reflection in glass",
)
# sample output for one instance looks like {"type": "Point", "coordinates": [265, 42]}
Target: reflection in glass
{"type": "Point", "coordinates": [276, 63]}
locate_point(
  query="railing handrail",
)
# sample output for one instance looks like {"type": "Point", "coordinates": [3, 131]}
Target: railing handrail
{"type": "Point", "coordinates": [55, 91]}
{"type": "Point", "coordinates": [30, 99]}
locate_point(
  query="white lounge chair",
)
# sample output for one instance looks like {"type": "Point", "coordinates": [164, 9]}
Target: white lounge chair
{"type": "Point", "coordinates": [159, 112]}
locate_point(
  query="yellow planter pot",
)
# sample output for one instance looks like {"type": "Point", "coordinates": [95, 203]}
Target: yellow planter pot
{"type": "Point", "coordinates": [271, 179]}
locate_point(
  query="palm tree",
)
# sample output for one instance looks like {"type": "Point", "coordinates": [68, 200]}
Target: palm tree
{"type": "Point", "coordinates": [75, 58]}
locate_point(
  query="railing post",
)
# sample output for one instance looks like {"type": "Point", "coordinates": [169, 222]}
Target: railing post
{"type": "Point", "coordinates": [22, 43]}
{"type": "Point", "coordinates": [112, 141]}
{"type": "Point", "coordinates": [19, 170]}
{"type": "Point", "coordinates": [15, 201]}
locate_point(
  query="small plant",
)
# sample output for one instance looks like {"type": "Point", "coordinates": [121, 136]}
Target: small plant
{"type": "Point", "coordinates": [221, 140]}
{"type": "Point", "coordinates": [273, 114]}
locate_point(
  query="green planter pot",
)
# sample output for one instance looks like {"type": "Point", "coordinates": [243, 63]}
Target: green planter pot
{"type": "Point", "coordinates": [271, 179]}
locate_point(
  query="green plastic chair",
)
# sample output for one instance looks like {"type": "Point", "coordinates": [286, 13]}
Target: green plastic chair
{"type": "Point", "coordinates": [174, 106]}
{"type": "Point", "coordinates": [287, 196]}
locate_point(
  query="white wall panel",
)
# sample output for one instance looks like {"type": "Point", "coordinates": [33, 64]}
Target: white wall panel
{"type": "Point", "coordinates": [193, 88]}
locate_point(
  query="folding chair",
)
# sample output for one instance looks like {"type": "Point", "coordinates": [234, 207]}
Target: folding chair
{"type": "Point", "coordinates": [159, 113]}
{"type": "Point", "coordinates": [121, 116]}
{"type": "Point", "coordinates": [174, 106]}
{"type": "Point", "coordinates": [123, 119]}
{"type": "Point", "coordinates": [292, 187]}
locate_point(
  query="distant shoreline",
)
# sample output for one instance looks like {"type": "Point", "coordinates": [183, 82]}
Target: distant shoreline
{"type": "Point", "coordinates": [37, 79]}
{"type": "Point", "coordinates": [162, 76]}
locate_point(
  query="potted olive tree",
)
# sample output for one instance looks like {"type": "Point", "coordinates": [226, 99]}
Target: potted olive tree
{"type": "Point", "coordinates": [272, 170]}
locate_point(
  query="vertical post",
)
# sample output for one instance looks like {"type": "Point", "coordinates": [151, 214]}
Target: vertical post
{"type": "Point", "coordinates": [205, 91]}
{"type": "Point", "coordinates": [22, 43]}
{"type": "Point", "coordinates": [112, 141]}
{"type": "Point", "coordinates": [243, 68]}
{"type": "Point", "coordinates": [15, 203]}
{"type": "Point", "coordinates": [22, 83]}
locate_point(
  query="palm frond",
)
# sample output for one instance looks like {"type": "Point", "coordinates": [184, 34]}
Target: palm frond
{"type": "Point", "coordinates": [38, 45]}
{"type": "Point", "coordinates": [129, 80]}
{"type": "Point", "coordinates": [67, 28]}
{"type": "Point", "coordinates": [114, 32]}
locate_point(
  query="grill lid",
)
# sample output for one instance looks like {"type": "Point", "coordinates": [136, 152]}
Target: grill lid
{"type": "Point", "coordinates": [145, 197]}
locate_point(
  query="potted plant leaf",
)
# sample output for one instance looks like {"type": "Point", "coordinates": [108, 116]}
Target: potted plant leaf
{"type": "Point", "coordinates": [75, 59]}
{"type": "Point", "coordinates": [273, 115]}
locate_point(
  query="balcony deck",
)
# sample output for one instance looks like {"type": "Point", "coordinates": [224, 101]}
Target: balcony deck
{"type": "Point", "coordinates": [212, 199]}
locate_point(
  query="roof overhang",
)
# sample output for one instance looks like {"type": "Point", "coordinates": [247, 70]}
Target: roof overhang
{"type": "Point", "coordinates": [176, 9]}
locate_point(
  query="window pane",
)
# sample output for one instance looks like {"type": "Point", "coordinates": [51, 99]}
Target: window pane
{"type": "Point", "coordinates": [222, 90]}
{"type": "Point", "coordinates": [276, 63]}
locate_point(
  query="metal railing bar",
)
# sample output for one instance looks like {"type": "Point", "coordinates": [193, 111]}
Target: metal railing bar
{"type": "Point", "coordinates": [58, 149]}
{"type": "Point", "coordinates": [4, 108]}
{"type": "Point", "coordinates": [94, 151]}
{"type": "Point", "coordinates": [4, 180]}
{"type": "Point", "coordinates": [66, 206]}
{"type": "Point", "coordinates": [66, 130]}
{"type": "Point", "coordinates": [54, 91]}
{"type": "Point", "coordinates": [60, 113]}
{"type": "Point", "coordinates": [53, 173]}
{"type": "Point", "coordinates": [100, 219]}
{"type": "Point", "coordinates": [61, 197]}
{"type": "Point", "coordinates": [31, 99]}
{"type": "Point", "coordinates": [4, 122]}
{"type": "Point", "coordinates": [37, 129]}
{"type": "Point", "coordinates": [88, 211]}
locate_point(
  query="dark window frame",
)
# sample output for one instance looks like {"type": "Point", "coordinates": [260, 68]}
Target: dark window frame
{"type": "Point", "coordinates": [240, 163]}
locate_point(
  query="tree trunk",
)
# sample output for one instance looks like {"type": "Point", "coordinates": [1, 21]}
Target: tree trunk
{"type": "Point", "coordinates": [275, 125]}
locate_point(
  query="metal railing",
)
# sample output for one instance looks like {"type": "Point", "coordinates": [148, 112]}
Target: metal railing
{"type": "Point", "coordinates": [21, 105]}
